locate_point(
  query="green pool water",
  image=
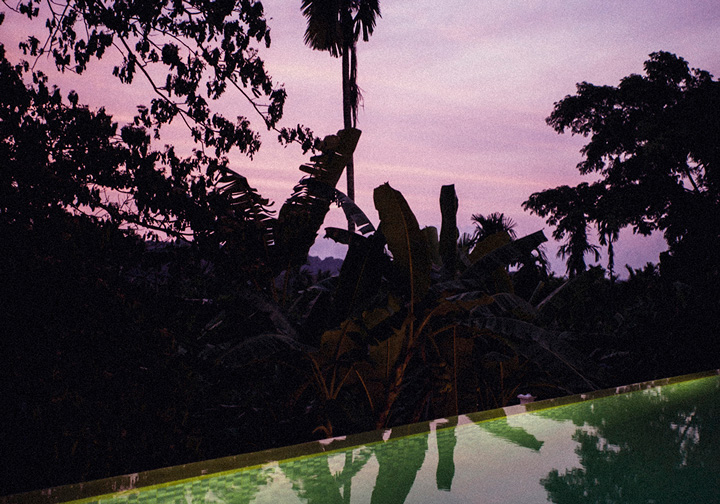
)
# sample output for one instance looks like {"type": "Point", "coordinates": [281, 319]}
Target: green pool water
{"type": "Point", "coordinates": [656, 443]}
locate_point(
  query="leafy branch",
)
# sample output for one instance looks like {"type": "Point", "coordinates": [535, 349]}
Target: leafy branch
{"type": "Point", "coordinates": [187, 39]}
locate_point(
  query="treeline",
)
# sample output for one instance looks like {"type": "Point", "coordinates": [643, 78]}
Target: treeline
{"type": "Point", "coordinates": [154, 311]}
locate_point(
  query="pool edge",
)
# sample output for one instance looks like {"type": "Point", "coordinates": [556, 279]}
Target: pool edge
{"type": "Point", "coordinates": [207, 468]}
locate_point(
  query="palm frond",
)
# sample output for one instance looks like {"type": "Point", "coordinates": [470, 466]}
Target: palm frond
{"type": "Point", "coordinates": [366, 18]}
{"type": "Point", "coordinates": [248, 220]}
{"type": "Point", "coordinates": [324, 29]}
{"type": "Point", "coordinates": [487, 225]}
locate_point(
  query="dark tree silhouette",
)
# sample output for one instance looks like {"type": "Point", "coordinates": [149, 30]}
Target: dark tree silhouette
{"type": "Point", "coordinates": [100, 371]}
{"type": "Point", "coordinates": [60, 158]}
{"type": "Point", "coordinates": [91, 382]}
{"type": "Point", "coordinates": [654, 143]}
{"type": "Point", "coordinates": [189, 51]}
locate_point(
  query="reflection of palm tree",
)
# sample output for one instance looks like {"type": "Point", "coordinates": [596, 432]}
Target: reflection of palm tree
{"type": "Point", "coordinates": [354, 461]}
{"type": "Point", "coordinates": [335, 26]}
{"type": "Point", "coordinates": [399, 461]}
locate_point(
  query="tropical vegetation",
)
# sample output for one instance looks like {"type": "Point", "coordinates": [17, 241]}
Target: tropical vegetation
{"type": "Point", "coordinates": [155, 310]}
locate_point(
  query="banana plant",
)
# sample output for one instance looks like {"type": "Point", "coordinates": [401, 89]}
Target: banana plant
{"type": "Point", "coordinates": [287, 238]}
{"type": "Point", "coordinates": [262, 245]}
{"type": "Point", "coordinates": [412, 328]}
{"type": "Point", "coordinates": [406, 330]}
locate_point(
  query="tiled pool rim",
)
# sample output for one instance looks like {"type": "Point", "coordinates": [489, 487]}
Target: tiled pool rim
{"type": "Point", "coordinates": [214, 467]}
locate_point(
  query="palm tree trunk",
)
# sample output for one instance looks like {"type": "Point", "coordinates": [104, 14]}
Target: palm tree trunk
{"type": "Point", "coordinates": [335, 26]}
{"type": "Point", "coordinates": [348, 122]}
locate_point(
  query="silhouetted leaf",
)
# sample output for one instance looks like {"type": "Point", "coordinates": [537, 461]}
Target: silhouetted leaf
{"type": "Point", "coordinates": [304, 212]}
{"type": "Point", "coordinates": [360, 274]}
{"type": "Point", "coordinates": [504, 255]}
{"type": "Point", "coordinates": [448, 232]}
{"type": "Point", "coordinates": [549, 350]}
{"type": "Point", "coordinates": [354, 213]}
{"type": "Point", "coordinates": [404, 238]}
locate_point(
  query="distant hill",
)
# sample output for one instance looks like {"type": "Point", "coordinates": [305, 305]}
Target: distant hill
{"type": "Point", "coordinates": [315, 265]}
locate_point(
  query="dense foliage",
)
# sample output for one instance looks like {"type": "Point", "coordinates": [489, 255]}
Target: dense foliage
{"type": "Point", "coordinates": [654, 144]}
{"type": "Point", "coordinates": [101, 322]}
{"type": "Point", "coordinates": [60, 157]}
{"type": "Point", "coordinates": [189, 52]}
{"type": "Point", "coordinates": [654, 148]}
{"type": "Point", "coordinates": [122, 352]}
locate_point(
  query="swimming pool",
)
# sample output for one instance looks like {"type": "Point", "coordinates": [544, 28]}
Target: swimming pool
{"type": "Point", "coordinates": [655, 442]}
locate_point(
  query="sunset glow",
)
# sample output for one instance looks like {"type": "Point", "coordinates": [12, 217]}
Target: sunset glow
{"type": "Point", "coordinates": [454, 93]}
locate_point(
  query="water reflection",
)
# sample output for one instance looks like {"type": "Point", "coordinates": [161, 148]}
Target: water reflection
{"type": "Point", "coordinates": [502, 429]}
{"type": "Point", "coordinates": [653, 446]}
{"type": "Point", "coordinates": [313, 481]}
{"type": "Point", "coordinates": [660, 446]}
{"type": "Point", "coordinates": [656, 446]}
{"type": "Point", "coordinates": [396, 469]}
{"type": "Point", "coordinates": [398, 465]}
{"type": "Point", "coordinates": [446, 441]}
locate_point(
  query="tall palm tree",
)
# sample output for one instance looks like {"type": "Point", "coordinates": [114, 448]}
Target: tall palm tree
{"type": "Point", "coordinates": [335, 26]}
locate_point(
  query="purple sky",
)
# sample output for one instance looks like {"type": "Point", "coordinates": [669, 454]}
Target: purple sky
{"type": "Point", "coordinates": [455, 92]}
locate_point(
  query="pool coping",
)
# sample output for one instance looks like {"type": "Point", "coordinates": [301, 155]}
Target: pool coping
{"type": "Point", "coordinates": [208, 468]}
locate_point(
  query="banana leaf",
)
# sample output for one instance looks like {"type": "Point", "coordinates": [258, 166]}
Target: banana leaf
{"type": "Point", "coordinates": [501, 281]}
{"type": "Point", "coordinates": [360, 274]}
{"type": "Point", "coordinates": [448, 231]}
{"type": "Point", "coordinates": [317, 312]}
{"type": "Point", "coordinates": [339, 235]}
{"type": "Point", "coordinates": [450, 288]}
{"type": "Point", "coordinates": [304, 212]}
{"type": "Point", "coordinates": [406, 242]}
{"type": "Point", "coordinates": [506, 304]}
{"type": "Point", "coordinates": [375, 317]}
{"type": "Point", "coordinates": [431, 237]}
{"type": "Point", "coordinates": [384, 354]}
{"type": "Point", "coordinates": [248, 216]}
{"type": "Point", "coordinates": [286, 240]}
{"type": "Point", "coordinates": [238, 354]}
{"type": "Point", "coordinates": [354, 213]}
{"type": "Point", "coordinates": [549, 350]}
{"type": "Point", "coordinates": [488, 244]}
{"type": "Point", "coordinates": [456, 374]}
